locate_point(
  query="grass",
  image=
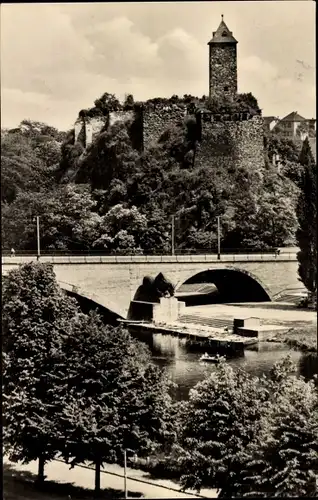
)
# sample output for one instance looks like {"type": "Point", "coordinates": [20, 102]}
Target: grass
{"type": "Point", "coordinates": [302, 338]}
{"type": "Point", "coordinates": [21, 485]}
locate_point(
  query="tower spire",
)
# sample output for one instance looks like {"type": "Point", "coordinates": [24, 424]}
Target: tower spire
{"type": "Point", "coordinates": [222, 61]}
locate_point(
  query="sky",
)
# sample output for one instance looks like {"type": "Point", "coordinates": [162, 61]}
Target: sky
{"type": "Point", "coordinates": [57, 58]}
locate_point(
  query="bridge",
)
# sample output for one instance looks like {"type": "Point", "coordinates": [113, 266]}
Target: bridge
{"type": "Point", "coordinates": [112, 281]}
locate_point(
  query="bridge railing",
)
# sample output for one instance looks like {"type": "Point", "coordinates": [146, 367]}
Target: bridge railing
{"type": "Point", "coordinates": [138, 259]}
{"type": "Point", "coordinates": [198, 251]}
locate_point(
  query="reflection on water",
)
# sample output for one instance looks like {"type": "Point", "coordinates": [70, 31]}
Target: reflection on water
{"type": "Point", "coordinates": [308, 365]}
{"type": "Point", "coordinates": [185, 369]}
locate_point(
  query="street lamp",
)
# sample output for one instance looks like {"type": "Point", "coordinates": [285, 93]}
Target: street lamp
{"type": "Point", "coordinates": [125, 474]}
{"type": "Point", "coordinates": [38, 237]}
{"type": "Point", "coordinates": [172, 235]}
{"type": "Point", "coordinates": [219, 238]}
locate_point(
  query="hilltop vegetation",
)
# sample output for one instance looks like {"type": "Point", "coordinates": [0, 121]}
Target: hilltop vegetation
{"type": "Point", "coordinates": [113, 197]}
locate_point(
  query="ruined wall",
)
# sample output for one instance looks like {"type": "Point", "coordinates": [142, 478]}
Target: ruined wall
{"type": "Point", "coordinates": [87, 128]}
{"type": "Point", "coordinates": [226, 141]}
{"type": "Point", "coordinates": [232, 143]}
{"type": "Point", "coordinates": [223, 69]}
{"type": "Point", "coordinates": [78, 129]}
{"type": "Point", "coordinates": [93, 126]}
{"type": "Point", "coordinates": [157, 120]}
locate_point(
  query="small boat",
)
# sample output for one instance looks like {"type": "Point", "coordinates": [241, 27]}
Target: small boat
{"type": "Point", "coordinates": [206, 358]}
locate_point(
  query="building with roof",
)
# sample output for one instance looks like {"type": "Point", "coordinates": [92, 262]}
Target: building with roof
{"type": "Point", "coordinates": [294, 126]}
{"type": "Point", "coordinates": [270, 122]}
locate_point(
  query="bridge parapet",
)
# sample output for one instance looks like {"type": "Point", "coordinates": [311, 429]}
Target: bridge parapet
{"type": "Point", "coordinates": [143, 259]}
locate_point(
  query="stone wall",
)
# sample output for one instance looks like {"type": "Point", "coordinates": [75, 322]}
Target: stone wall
{"type": "Point", "coordinates": [250, 143]}
{"type": "Point", "coordinates": [157, 120]}
{"type": "Point", "coordinates": [93, 126]}
{"type": "Point", "coordinates": [231, 143]}
{"type": "Point", "coordinates": [89, 127]}
{"type": "Point", "coordinates": [78, 129]}
{"type": "Point", "coordinates": [237, 138]}
{"type": "Point", "coordinates": [223, 69]}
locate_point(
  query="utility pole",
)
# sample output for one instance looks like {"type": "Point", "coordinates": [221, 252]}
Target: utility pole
{"type": "Point", "coordinates": [38, 235]}
{"type": "Point", "coordinates": [219, 238]}
{"type": "Point", "coordinates": [172, 235]}
{"type": "Point", "coordinates": [125, 473]}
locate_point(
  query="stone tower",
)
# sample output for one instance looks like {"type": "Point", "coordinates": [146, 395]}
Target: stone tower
{"type": "Point", "coordinates": [222, 62]}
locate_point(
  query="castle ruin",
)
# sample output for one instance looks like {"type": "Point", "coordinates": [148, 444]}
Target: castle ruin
{"type": "Point", "coordinates": [243, 132]}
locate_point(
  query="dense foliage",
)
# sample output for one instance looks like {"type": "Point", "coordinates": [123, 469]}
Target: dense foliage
{"type": "Point", "coordinates": [66, 218]}
{"type": "Point", "coordinates": [307, 217]}
{"type": "Point", "coordinates": [222, 417]}
{"type": "Point", "coordinates": [248, 436]}
{"type": "Point", "coordinates": [34, 309]}
{"type": "Point", "coordinates": [114, 176]}
{"type": "Point", "coordinates": [29, 157]}
{"type": "Point", "coordinates": [74, 387]}
{"type": "Point", "coordinates": [116, 399]}
{"type": "Point", "coordinates": [283, 459]}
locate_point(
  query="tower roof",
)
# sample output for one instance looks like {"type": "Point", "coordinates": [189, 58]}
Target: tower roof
{"type": "Point", "coordinates": [222, 34]}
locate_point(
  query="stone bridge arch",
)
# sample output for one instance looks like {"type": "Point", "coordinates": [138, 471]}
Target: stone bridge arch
{"type": "Point", "coordinates": [87, 300]}
{"type": "Point", "coordinates": [233, 283]}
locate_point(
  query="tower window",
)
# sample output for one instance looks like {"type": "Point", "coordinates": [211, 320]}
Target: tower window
{"type": "Point", "coordinates": [224, 33]}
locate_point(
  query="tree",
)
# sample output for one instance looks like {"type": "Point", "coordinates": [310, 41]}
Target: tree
{"type": "Point", "coordinates": [292, 171]}
{"type": "Point", "coordinates": [121, 229]}
{"type": "Point", "coordinates": [220, 419]}
{"type": "Point", "coordinates": [283, 459]}
{"type": "Point", "coordinates": [30, 156]}
{"type": "Point", "coordinates": [111, 157]}
{"type": "Point", "coordinates": [306, 234]}
{"type": "Point", "coordinates": [34, 313]}
{"type": "Point", "coordinates": [71, 153]}
{"type": "Point", "coordinates": [107, 102]}
{"type": "Point", "coordinates": [67, 219]}
{"type": "Point", "coordinates": [129, 102]}
{"type": "Point", "coordinates": [287, 149]}
{"type": "Point", "coordinates": [156, 237]}
{"type": "Point", "coordinates": [250, 437]}
{"type": "Point", "coordinates": [21, 169]}
{"type": "Point", "coordinates": [116, 399]}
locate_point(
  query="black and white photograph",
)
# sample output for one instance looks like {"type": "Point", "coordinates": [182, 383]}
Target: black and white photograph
{"type": "Point", "coordinates": [159, 250]}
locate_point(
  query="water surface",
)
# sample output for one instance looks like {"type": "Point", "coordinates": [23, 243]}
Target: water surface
{"type": "Point", "coordinates": [185, 369]}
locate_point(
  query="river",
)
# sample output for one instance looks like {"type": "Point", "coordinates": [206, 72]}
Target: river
{"type": "Point", "coordinates": [185, 369]}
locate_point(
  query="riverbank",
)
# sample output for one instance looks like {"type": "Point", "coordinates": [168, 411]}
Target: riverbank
{"type": "Point", "coordinates": [302, 338]}
{"type": "Point", "coordinates": [300, 325]}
